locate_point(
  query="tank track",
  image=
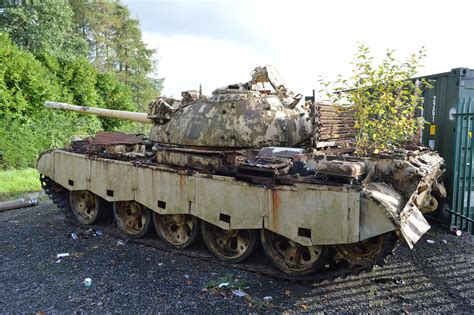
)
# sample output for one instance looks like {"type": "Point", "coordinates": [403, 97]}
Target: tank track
{"type": "Point", "coordinates": [257, 264]}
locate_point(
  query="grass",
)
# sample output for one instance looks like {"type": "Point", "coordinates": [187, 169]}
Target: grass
{"type": "Point", "coordinates": [17, 182]}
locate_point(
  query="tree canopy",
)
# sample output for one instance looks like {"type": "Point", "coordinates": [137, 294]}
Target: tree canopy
{"type": "Point", "coordinates": [43, 27]}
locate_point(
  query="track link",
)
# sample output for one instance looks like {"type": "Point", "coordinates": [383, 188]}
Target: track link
{"type": "Point", "coordinates": [259, 265]}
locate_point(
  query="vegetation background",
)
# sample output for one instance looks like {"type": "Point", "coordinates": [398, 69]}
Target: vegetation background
{"type": "Point", "coordinates": [77, 51]}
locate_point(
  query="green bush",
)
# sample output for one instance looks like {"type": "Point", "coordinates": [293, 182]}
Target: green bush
{"type": "Point", "coordinates": [24, 81]}
{"type": "Point", "coordinates": [27, 81]}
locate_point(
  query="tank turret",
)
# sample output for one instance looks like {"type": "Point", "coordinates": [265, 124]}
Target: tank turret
{"type": "Point", "coordinates": [258, 113]}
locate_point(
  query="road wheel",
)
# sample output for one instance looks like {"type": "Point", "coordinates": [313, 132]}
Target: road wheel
{"type": "Point", "coordinates": [132, 218]}
{"type": "Point", "coordinates": [176, 230]}
{"type": "Point", "coordinates": [85, 206]}
{"type": "Point", "coordinates": [232, 246]}
{"type": "Point", "coordinates": [290, 257]}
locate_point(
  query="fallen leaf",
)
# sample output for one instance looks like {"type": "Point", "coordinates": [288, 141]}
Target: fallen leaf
{"type": "Point", "coordinates": [304, 307]}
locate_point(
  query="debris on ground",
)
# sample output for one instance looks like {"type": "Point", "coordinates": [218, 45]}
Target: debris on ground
{"type": "Point", "coordinates": [303, 306]}
{"type": "Point", "coordinates": [267, 298]}
{"type": "Point", "coordinates": [226, 285]}
{"type": "Point", "coordinates": [120, 243]}
{"type": "Point", "coordinates": [239, 293]}
{"type": "Point", "coordinates": [83, 235]}
{"type": "Point", "coordinates": [398, 280]}
{"type": "Point", "coordinates": [87, 282]}
{"type": "Point", "coordinates": [67, 255]}
{"type": "Point", "coordinates": [430, 241]}
{"type": "Point", "coordinates": [17, 204]}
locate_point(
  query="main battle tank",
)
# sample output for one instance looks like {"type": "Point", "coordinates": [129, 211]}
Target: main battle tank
{"type": "Point", "coordinates": [253, 162]}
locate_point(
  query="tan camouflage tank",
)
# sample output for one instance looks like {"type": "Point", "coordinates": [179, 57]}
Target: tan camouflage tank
{"type": "Point", "coordinates": [251, 163]}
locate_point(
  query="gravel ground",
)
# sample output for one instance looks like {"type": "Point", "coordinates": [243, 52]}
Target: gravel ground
{"type": "Point", "coordinates": [135, 278]}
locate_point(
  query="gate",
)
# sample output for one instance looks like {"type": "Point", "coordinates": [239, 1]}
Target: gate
{"type": "Point", "coordinates": [462, 212]}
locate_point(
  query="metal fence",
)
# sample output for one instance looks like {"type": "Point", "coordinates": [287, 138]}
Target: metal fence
{"type": "Point", "coordinates": [463, 195]}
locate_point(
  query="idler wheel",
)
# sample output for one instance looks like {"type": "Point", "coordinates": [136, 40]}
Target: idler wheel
{"type": "Point", "coordinates": [84, 206]}
{"type": "Point", "coordinates": [176, 230]}
{"type": "Point", "coordinates": [132, 218]}
{"type": "Point", "coordinates": [365, 253]}
{"type": "Point", "coordinates": [290, 257]}
{"type": "Point", "coordinates": [232, 246]}
{"type": "Point", "coordinates": [430, 204]}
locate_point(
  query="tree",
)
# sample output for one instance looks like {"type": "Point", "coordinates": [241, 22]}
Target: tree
{"type": "Point", "coordinates": [385, 99]}
{"type": "Point", "coordinates": [116, 46]}
{"type": "Point", "coordinates": [79, 17]}
{"type": "Point", "coordinates": [43, 27]}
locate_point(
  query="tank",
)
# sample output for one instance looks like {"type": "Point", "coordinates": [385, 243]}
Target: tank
{"type": "Point", "coordinates": [252, 163]}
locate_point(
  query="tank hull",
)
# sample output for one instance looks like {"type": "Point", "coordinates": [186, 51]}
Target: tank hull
{"type": "Point", "coordinates": [306, 213]}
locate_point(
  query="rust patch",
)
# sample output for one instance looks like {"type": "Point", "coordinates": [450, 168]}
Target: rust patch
{"type": "Point", "coordinates": [105, 138]}
{"type": "Point", "coordinates": [182, 182]}
{"type": "Point", "coordinates": [275, 208]}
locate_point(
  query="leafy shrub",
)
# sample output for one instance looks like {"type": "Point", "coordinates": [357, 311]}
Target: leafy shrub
{"type": "Point", "coordinates": [385, 99]}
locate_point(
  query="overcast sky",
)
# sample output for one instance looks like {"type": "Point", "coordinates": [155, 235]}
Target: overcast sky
{"type": "Point", "coordinates": [215, 43]}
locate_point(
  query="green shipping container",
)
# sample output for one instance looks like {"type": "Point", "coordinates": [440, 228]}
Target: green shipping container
{"type": "Point", "coordinates": [443, 132]}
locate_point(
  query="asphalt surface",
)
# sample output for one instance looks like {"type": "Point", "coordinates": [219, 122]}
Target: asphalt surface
{"type": "Point", "coordinates": [128, 277]}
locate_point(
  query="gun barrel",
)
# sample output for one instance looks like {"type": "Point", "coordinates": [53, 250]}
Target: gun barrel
{"type": "Point", "coordinates": [118, 114]}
